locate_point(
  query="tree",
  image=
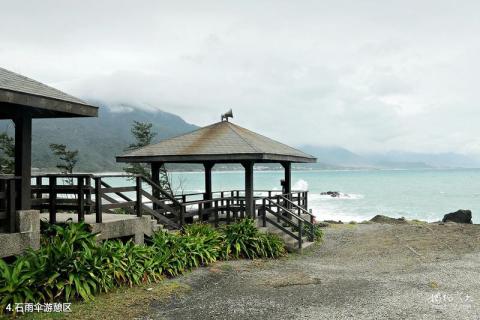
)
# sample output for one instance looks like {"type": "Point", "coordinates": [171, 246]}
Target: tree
{"type": "Point", "coordinates": [68, 158]}
{"type": "Point", "coordinates": [7, 157]}
{"type": "Point", "coordinates": [143, 136]}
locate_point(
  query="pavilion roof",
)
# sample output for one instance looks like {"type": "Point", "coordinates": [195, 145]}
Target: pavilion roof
{"type": "Point", "coordinates": [220, 142]}
{"type": "Point", "coordinates": [17, 91]}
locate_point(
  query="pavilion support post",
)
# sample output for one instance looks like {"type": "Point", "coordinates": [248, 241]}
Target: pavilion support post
{"type": "Point", "coordinates": [287, 166]}
{"type": "Point", "coordinates": [155, 172]}
{"type": "Point", "coordinates": [23, 159]}
{"type": "Point", "coordinates": [208, 183]}
{"type": "Point", "coordinates": [249, 199]}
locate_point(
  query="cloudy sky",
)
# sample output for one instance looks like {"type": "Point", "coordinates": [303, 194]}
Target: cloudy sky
{"type": "Point", "coordinates": [367, 75]}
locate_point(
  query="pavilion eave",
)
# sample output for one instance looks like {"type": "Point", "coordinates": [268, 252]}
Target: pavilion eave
{"type": "Point", "coordinates": [217, 158]}
{"type": "Point", "coordinates": [42, 107]}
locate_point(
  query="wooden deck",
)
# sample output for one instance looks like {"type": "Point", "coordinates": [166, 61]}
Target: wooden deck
{"type": "Point", "coordinates": [118, 211]}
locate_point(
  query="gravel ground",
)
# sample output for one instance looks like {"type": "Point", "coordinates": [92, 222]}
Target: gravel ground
{"type": "Point", "coordinates": [364, 271]}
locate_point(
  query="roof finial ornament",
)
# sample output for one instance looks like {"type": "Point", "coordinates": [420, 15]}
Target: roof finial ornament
{"type": "Point", "coordinates": [226, 115]}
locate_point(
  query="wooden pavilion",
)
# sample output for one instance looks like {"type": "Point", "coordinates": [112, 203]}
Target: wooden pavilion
{"type": "Point", "coordinates": [221, 142]}
{"type": "Point", "coordinates": [21, 100]}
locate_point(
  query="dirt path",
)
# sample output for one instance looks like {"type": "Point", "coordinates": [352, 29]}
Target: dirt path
{"type": "Point", "coordinates": [370, 271]}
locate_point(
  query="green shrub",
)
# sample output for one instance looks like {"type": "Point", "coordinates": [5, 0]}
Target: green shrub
{"type": "Point", "coordinates": [211, 238]}
{"type": "Point", "coordinates": [177, 253]}
{"type": "Point", "coordinates": [243, 240]}
{"type": "Point", "coordinates": [273, 245]}
{"type": "Point", "coordinates": [17, 283]}
{"type": "Point", "coordinates": [318, 232]}
{"type": "Point", "coordinates": [68, 264]}
{"type": "Point", "coordinates": [171, 260]}
{"type": "Point", "coordinates": [128, 263]}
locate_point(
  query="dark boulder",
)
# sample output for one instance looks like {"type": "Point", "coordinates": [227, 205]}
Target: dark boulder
{"type": "Point", "coordinates": [333, 194]}
{"type": "Point", "coordinates": [459, 216]}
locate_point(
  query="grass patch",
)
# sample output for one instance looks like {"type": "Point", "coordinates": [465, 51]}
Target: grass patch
{"type": "Point", "coordinates": [343, 226]}
{"type": "Point", "coordinates": [433, 284]}
{"type": "Point", "coordinates": [226, 267]}
{"type": "Point", "coordinates": [419, 222]}
{"type": "Point", "coordinates": [120, 303]}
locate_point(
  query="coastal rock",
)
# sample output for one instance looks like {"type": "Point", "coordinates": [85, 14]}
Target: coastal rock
{"type": "Point", "coordinates": [333, 194]}
{"type": "Point", "coordinates": [333, 221]}
{"type": "Point", "coordinates": [384, 219]}
{"type": "Point", "coordinates": [459, 216]}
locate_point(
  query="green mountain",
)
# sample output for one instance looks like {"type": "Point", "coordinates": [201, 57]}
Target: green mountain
{"type": "Point", "coordinates": [100, 139]}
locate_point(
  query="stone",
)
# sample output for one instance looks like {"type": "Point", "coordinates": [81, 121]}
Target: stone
{"type": "Point", "coordinates": [388, 220]}
{"type": "Point", "coordinates": [459, 216]}
{"type": "Point", "coordinates": [333, 194]}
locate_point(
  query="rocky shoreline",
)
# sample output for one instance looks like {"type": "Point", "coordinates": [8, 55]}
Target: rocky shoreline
{"type": "Point", "coordinates": [459, 216]}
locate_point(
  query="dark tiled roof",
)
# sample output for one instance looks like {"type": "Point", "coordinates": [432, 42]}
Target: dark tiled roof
{"type": "Point", "coordinates": [15, 82]}
{"type": "Point", "coordinates": [217, 142]}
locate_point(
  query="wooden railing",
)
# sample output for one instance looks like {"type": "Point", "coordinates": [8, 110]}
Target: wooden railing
{"type": "Point", "coordinates": [117, 199]}
{"type": "Point", "coordinates": [162, 205]}
{"type": "Point", "coordinates": [68, 193]}
{"type": "Point", "coordinates": [296, 208]}
{"type": "Point", "coordinates": [8, 186]}
{"type": "Point", "coordinates": [275, 213]}
{"type": "Point", "coordinates": [87, 194]}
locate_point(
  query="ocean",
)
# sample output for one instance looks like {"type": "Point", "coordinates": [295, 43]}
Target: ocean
{"type": "Point", "coordinates": [424, 194]}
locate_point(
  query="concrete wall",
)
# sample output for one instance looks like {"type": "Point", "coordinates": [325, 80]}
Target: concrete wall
{"type": "Point", "coordinates": [115, 226]}
{"type": "Point", "coordinates": [135, 228]}
{"type": "Point", "coordinates": [27, 234]}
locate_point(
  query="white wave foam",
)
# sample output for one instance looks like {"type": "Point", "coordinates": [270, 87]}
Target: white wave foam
{"type": "Point", "coordinates": [300, 185]}
{"type": "Point", "coordinates": [332, 213]}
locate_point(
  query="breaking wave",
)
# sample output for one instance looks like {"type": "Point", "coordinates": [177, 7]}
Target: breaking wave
{"type": "Point", "coordinates": [300, 185]}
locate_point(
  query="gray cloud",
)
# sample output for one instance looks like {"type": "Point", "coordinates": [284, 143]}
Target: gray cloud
{"type": "Point", "coordinates": [367, 75]}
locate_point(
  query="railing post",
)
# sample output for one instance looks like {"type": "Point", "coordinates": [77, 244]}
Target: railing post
{"type": "Point", "coordinates": [89, 194]}
{"type": "Point", "coordinates": [81, 207]}
{"type": "Point", "coordinates": [181, 218]}
{"type": "Point", "coordinates": [216, 213]}
{"type": "Point", "coordinates": [52, 197]}
{"type": "Point", "coordinates": [11, 205]}
{"type": "Point", "coordinates": [264, 213]}
{"type": "Point", "coordinates": [38, 184]}
{"type": "Point", "coordinates": [98, 199]}
{"type": "Point", "coordinates": [311, 216]}
{"type": "Point", "coordinates": [305, 200]}
{"type": "Point", "coordinates": [228, 211]}
{"type": "Point", "coordinates": [138, 189]}
{"type": "Point", "coordinates": [300, 233]}
{"type": "Point", "coordinates": [222, 202]}
{"type": "Point", "coordinates": [279, 211]}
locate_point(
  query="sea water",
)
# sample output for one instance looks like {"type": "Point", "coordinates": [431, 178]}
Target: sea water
{"type": "Point", "coordinates": [424, 194]}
